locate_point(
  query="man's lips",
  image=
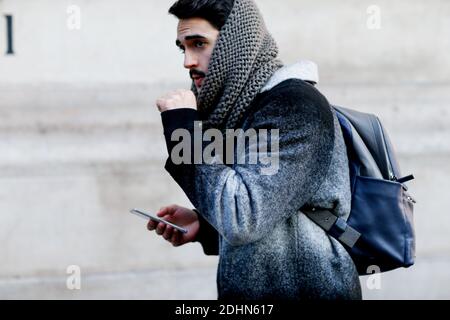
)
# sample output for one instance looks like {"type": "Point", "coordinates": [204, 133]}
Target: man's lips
{"type": "Point", "coordinates": [198, 80]}
{"type": "Point", "coordinates": [197, 76]}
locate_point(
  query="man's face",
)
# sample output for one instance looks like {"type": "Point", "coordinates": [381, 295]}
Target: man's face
{"type": "Point", "coordinates": [196, 37]}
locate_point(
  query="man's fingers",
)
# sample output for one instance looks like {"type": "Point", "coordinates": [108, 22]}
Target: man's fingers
{"type": "Point", "coordinates": [151, 225]}
{"type": "Point", "coordinates": [168, 233]}
{"type": "Point", "coordinates": [176, 238]}
{"type": "Point", "coordinates": [167, 210]}
{"type": "Point", "coordinates": [161, 103]}
{"type": "Point", "coordinates": [181, 98]}
{"type": "Point", "coordinates": [160, 228]}
{"type": "Point", "coordinates": [163, 213]}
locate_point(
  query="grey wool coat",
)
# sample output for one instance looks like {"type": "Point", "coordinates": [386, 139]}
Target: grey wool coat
{"type": "Point", "coordinates": [268, 249]}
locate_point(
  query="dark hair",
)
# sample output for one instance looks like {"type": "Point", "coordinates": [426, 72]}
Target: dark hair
{"type": "Point", "coordinates": [215, 12]}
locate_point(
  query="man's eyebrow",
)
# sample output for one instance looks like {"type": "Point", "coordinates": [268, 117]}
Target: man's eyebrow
{"type": "Point", "coordinates": [192, 37]}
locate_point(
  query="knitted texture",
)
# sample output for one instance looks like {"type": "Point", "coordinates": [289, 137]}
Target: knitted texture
{"type": "Point", "coordinates": [243, 60]}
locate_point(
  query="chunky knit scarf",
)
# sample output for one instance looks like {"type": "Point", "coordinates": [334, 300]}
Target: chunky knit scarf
{"type": "Point", "coordinates": [243, 60]}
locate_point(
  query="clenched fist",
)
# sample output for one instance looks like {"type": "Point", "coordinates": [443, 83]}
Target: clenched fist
{"type": "Point", "coordinates": [177, 100]}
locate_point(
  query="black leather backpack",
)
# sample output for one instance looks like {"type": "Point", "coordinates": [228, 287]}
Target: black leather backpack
{"type": "Point", "coordinates": [379, 231]}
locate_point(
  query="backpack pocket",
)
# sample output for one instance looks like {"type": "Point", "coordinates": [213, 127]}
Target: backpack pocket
{"type": "Point", "coordinates": [382, 211]}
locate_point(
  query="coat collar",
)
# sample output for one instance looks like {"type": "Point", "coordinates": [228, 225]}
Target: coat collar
{"type": "Point", "coordinates": [304, 70]}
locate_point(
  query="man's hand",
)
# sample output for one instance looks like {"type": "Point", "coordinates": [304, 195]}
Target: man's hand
{"type": "Point", "coordinates": [183, 217]}
{"type": "Point", "coordinates": [176, 100]}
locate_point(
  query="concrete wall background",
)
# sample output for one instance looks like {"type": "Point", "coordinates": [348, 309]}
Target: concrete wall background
{"type": "Point", "coordinates": [81, 142]}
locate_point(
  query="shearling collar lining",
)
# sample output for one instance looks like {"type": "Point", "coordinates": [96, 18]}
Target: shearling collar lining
{"type": "Point", "coordinates": [304, 70]}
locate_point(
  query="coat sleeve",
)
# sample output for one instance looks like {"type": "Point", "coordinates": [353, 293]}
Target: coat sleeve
{"type": "Point", "coordinates": [207, 236]}
{"type": "Point", "coordinates": [241, 202]}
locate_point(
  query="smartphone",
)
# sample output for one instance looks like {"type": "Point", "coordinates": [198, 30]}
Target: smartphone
{"type": "Point", "coordinates": [148, 216]}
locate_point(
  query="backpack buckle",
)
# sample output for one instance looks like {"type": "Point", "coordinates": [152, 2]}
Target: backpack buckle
{"type": "Point", "coordinates": [344, 233]}
{"type": "Point", "coordinates": [336, 227]}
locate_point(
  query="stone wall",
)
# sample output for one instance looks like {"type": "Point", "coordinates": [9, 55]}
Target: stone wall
{"type": "Point", "coordinates": [81, 141]}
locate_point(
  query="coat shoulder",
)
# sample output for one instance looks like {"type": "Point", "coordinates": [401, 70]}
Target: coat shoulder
{"type": "Point", "coordinates": [295, 100]}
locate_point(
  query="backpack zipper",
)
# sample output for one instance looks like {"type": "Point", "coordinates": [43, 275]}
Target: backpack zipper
{"type": "Point", "coordinates": [392, 176]}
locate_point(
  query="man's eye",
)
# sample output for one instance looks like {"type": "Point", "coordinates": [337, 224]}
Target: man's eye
{"type": "Point", "coordinates": [199, 44]}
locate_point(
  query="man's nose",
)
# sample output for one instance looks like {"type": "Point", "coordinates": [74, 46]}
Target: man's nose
{"type": "Point", "coordinates": [190, 61]}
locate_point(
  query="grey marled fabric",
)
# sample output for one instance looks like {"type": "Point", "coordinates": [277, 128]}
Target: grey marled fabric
{"type": "Point", "coordinates": [268, 249]}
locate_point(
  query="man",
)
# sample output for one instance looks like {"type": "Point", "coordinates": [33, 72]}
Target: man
{"type": "Point", "coordinates": [268, 249]}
